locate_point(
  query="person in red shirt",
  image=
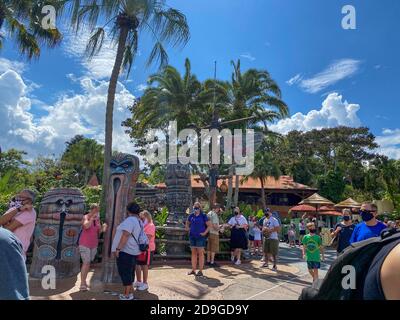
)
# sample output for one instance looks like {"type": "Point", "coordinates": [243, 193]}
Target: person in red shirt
{"type": "Point", "coordinates": [143, 267]}
{"type": "Point", "coordinates": [89, 241]}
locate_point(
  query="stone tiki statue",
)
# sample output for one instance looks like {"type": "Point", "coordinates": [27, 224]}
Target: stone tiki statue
{"type": "Point", "coordinates": [178, 199]}
{"type": "Point", "coordinates": [124, 171]}
{"type": "Point", "coordinates": [57, 231]}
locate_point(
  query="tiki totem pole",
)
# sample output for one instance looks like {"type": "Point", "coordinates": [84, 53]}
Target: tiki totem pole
{"type": "Point", "coordinates": [178, 199]}
{"type": "Point", "coordinates": [57, 231]}
{"type": "Point", "coordinates": [124, 171]}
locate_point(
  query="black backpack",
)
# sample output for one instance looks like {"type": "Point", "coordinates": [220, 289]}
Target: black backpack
{"type": "Point", "coordinates": [359, 255]}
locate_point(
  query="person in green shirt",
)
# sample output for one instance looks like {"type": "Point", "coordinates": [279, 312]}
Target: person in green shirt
{"type": "Point", "coordinates": [312, 249]}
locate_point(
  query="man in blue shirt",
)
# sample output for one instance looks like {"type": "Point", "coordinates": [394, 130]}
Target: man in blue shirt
{"type": "Point", "coordinates": [370, 227]}
{"type": "Point", "coordinates": [13, 274]}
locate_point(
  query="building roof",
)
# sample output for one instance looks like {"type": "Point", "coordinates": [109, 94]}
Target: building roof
{"type": "Point", "coordinates": [283, 183]}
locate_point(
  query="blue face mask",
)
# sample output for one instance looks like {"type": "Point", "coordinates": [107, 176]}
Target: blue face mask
{"type": "Point", "coordinates": [366, 215]}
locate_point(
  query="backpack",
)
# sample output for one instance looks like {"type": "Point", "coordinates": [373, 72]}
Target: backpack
{"type": "Point", "coordinates": [359, 255]}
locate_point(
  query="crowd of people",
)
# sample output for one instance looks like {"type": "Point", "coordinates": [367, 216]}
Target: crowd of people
{"type": "Point", "coordinates": [134, 242]}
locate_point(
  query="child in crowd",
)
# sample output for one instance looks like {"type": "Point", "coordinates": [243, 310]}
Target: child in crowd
{"type": "Point", "coordinates": [312, 247]}
{"type": "Point", "coordinates": [292, 236]}
{"type": "Point", "coordinates": [257, 238]}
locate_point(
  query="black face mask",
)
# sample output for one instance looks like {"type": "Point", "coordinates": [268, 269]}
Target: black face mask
{"type": "Point", "coordinates": [366, 215]}
{"type": "Point", "coordinates": [312, 230]}
{"type": "Point", "coordinates": [346, 218]}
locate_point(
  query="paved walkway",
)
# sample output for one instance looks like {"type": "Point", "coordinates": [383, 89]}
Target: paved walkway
{"type": "Point", "coordinates": [245, 282]}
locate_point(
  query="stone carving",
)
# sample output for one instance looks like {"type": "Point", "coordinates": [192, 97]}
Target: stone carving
{"type": "Point", "coordinates": [124, 171]}
{"type": "Point", "coordinates": [179, 192]}
{"type": "Point", "coordinates": [57, 231]}
{"type": "Point", "coordinates": [178, 199]}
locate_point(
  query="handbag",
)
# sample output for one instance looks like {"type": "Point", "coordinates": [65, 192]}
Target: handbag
{"type": "Point", "coordinates": [143, 246]}
{"type": "Point", "coordinates": [143, 257]}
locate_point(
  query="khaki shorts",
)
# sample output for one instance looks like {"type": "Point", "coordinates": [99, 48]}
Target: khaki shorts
{"type": "Point", "coordinates": [271, 246]}
{"type": "Point", "coordinates": [87, 254]}
{"type": "Point", "coordinates": [213, 243]}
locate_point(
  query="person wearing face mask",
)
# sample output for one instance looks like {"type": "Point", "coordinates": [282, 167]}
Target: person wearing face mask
{"type": "Point", "coordinates": [312, 246]}
{"type": "Point", "coordinates": [238, 225]}
{"type": "Point", "coordinates": [343, 231]}
{"type": "Point", "coordinates": [198, 225]}
{"type": "Point", "coordinates": [271, 227]}
{"type": "Point", "coordinates": [370, 227]}
{"type": "Point", "coordinates": [143, 267]}
{"type": "Point", "coordinates": [20, 218]}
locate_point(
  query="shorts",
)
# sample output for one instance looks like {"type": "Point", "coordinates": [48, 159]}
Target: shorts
{"type": "Point", "coordinates": [149, 260]}
{"type": "Point", "coordinates": [313, 265]}
{"type": "Point", "coordinates": [302, 232]}
{"type": "Point", "coordinates": [271, 246]}
{"type": "Point", "coordinates": [292, 238]}
{"type": "Point", "coordinates": [257, 243]}
{"type": "Point", "coordinates": [197, 242]}
{"type": "Point", "coordinates": [126, 264]}
{"type": "Point", "coordinates": [251, 238]}
{"type": "Point", "coordinates": [87, 254]}
{"type": "Point", "coordinates": [213, 243]}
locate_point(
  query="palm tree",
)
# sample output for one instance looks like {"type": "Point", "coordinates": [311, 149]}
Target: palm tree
{"type": "Point", "coordinates": [22, 21]}
{"type": "Point", "coordinates": [254, 94]}
{"type": "Point", "coordinates": [264, 166]}
{"type": "Point", "coordinates": [130, 18]}
{"type": "Point", "coordinates": [170, 97]}
{"type": "Point", "coordinates": [85, 156]}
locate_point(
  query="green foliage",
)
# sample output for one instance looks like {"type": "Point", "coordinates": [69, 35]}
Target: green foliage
{"type": "Point", "coordinates": [332, 186]}
{"type": "Point", "coordinates": [160, 219]}
{"type": "Point", "coordinates": [92, 195]}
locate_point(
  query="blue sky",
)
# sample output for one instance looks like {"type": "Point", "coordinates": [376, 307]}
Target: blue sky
{"type": "Point", "coordinates": [329, 76]}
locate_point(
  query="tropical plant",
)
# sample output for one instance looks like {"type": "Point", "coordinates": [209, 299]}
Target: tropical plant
{"type": "Point", "coordinates": [22, 21]}
{"type": "Point", "coordinates": [85, 156]}
{"type": "Point", "coordinates": [130, 19]}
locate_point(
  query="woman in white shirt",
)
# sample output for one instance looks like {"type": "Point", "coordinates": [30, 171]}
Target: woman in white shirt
{"type": "Point", "coordinates": [238, 225]}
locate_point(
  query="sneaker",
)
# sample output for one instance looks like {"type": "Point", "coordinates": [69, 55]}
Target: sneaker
{"type": "Point", "coordinates": [143, 287]}
{"type": "Point", "coordinates": [264, 265]}
{"type": "Point", "coordinates": [200, 274]}
{"type": "Point", "coordinates": [238, 262]}
{"type": "Point", "coordinates": [83, 288]}
{"type": "Point", "coordinates": [137, 284]}
{"type": "Point", "coordinates": [191, 273]}
{"type": "Point", "coordinates": [262, 259]}
{"type": "Point", "coordinates": [233, 258]}
{"type": "Point", "coordinates": [126, 298]}
{"type": "Point", "coordinates": [214, 265]}
{"type": "Point", "coordinates": [274, 268]}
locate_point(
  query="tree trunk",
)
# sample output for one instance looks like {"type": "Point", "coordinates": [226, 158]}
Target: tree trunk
{"type": "Point", "coordinates": [263, 200]}
{"type": "Point", "coordinates": [237, 186]}
{"type": "Point", "coordinates": [110, 111]}
{"type": "Point", "coordinates": [230, 188]}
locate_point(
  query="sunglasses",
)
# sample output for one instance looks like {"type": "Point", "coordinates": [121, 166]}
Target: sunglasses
{"type": "Point", "coordinates": [196, 208]}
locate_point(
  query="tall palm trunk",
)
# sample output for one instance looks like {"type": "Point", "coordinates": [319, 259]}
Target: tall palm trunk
{"type": "Point", "coordinates": [230, 188]}
{"type": "Point", "coordinates": [124, 30]}
{"type": "Point", "coordinates": [237, 186]}
{"type": "Point", "coordinates": [263, 200]}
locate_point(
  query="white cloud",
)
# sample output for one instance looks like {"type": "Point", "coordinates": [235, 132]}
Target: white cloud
{"type": "Point", "coordinates": [336, 71]}
{"type": "Point", "coordinates": [16, 66]}
{"type": "Point", "coordinates": [248, 56]}
{"type": "Point", "coordinates": [72, 114]}
{"type": "Point", "coordinates": [334, 112]}
{"type": "Point", "coordinates": [141, 87]}
{"type": "Point", "coordinates": [389, 143]}
{"type": "Point", "coordinates": [296, 79]}
{"type": "Point", "coordinates": [101, 65]}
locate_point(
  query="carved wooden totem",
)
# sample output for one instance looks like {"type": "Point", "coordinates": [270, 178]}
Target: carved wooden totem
{"type": "Point", "coordinates": [124, 171]}
{"type": "Point", "coordinates": [57, 231]}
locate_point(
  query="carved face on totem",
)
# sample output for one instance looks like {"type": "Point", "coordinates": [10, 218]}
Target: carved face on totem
{"type": "Point", "coordinates": [57, 231]}
{"type": "Point", "coordinates": [124, 171]}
